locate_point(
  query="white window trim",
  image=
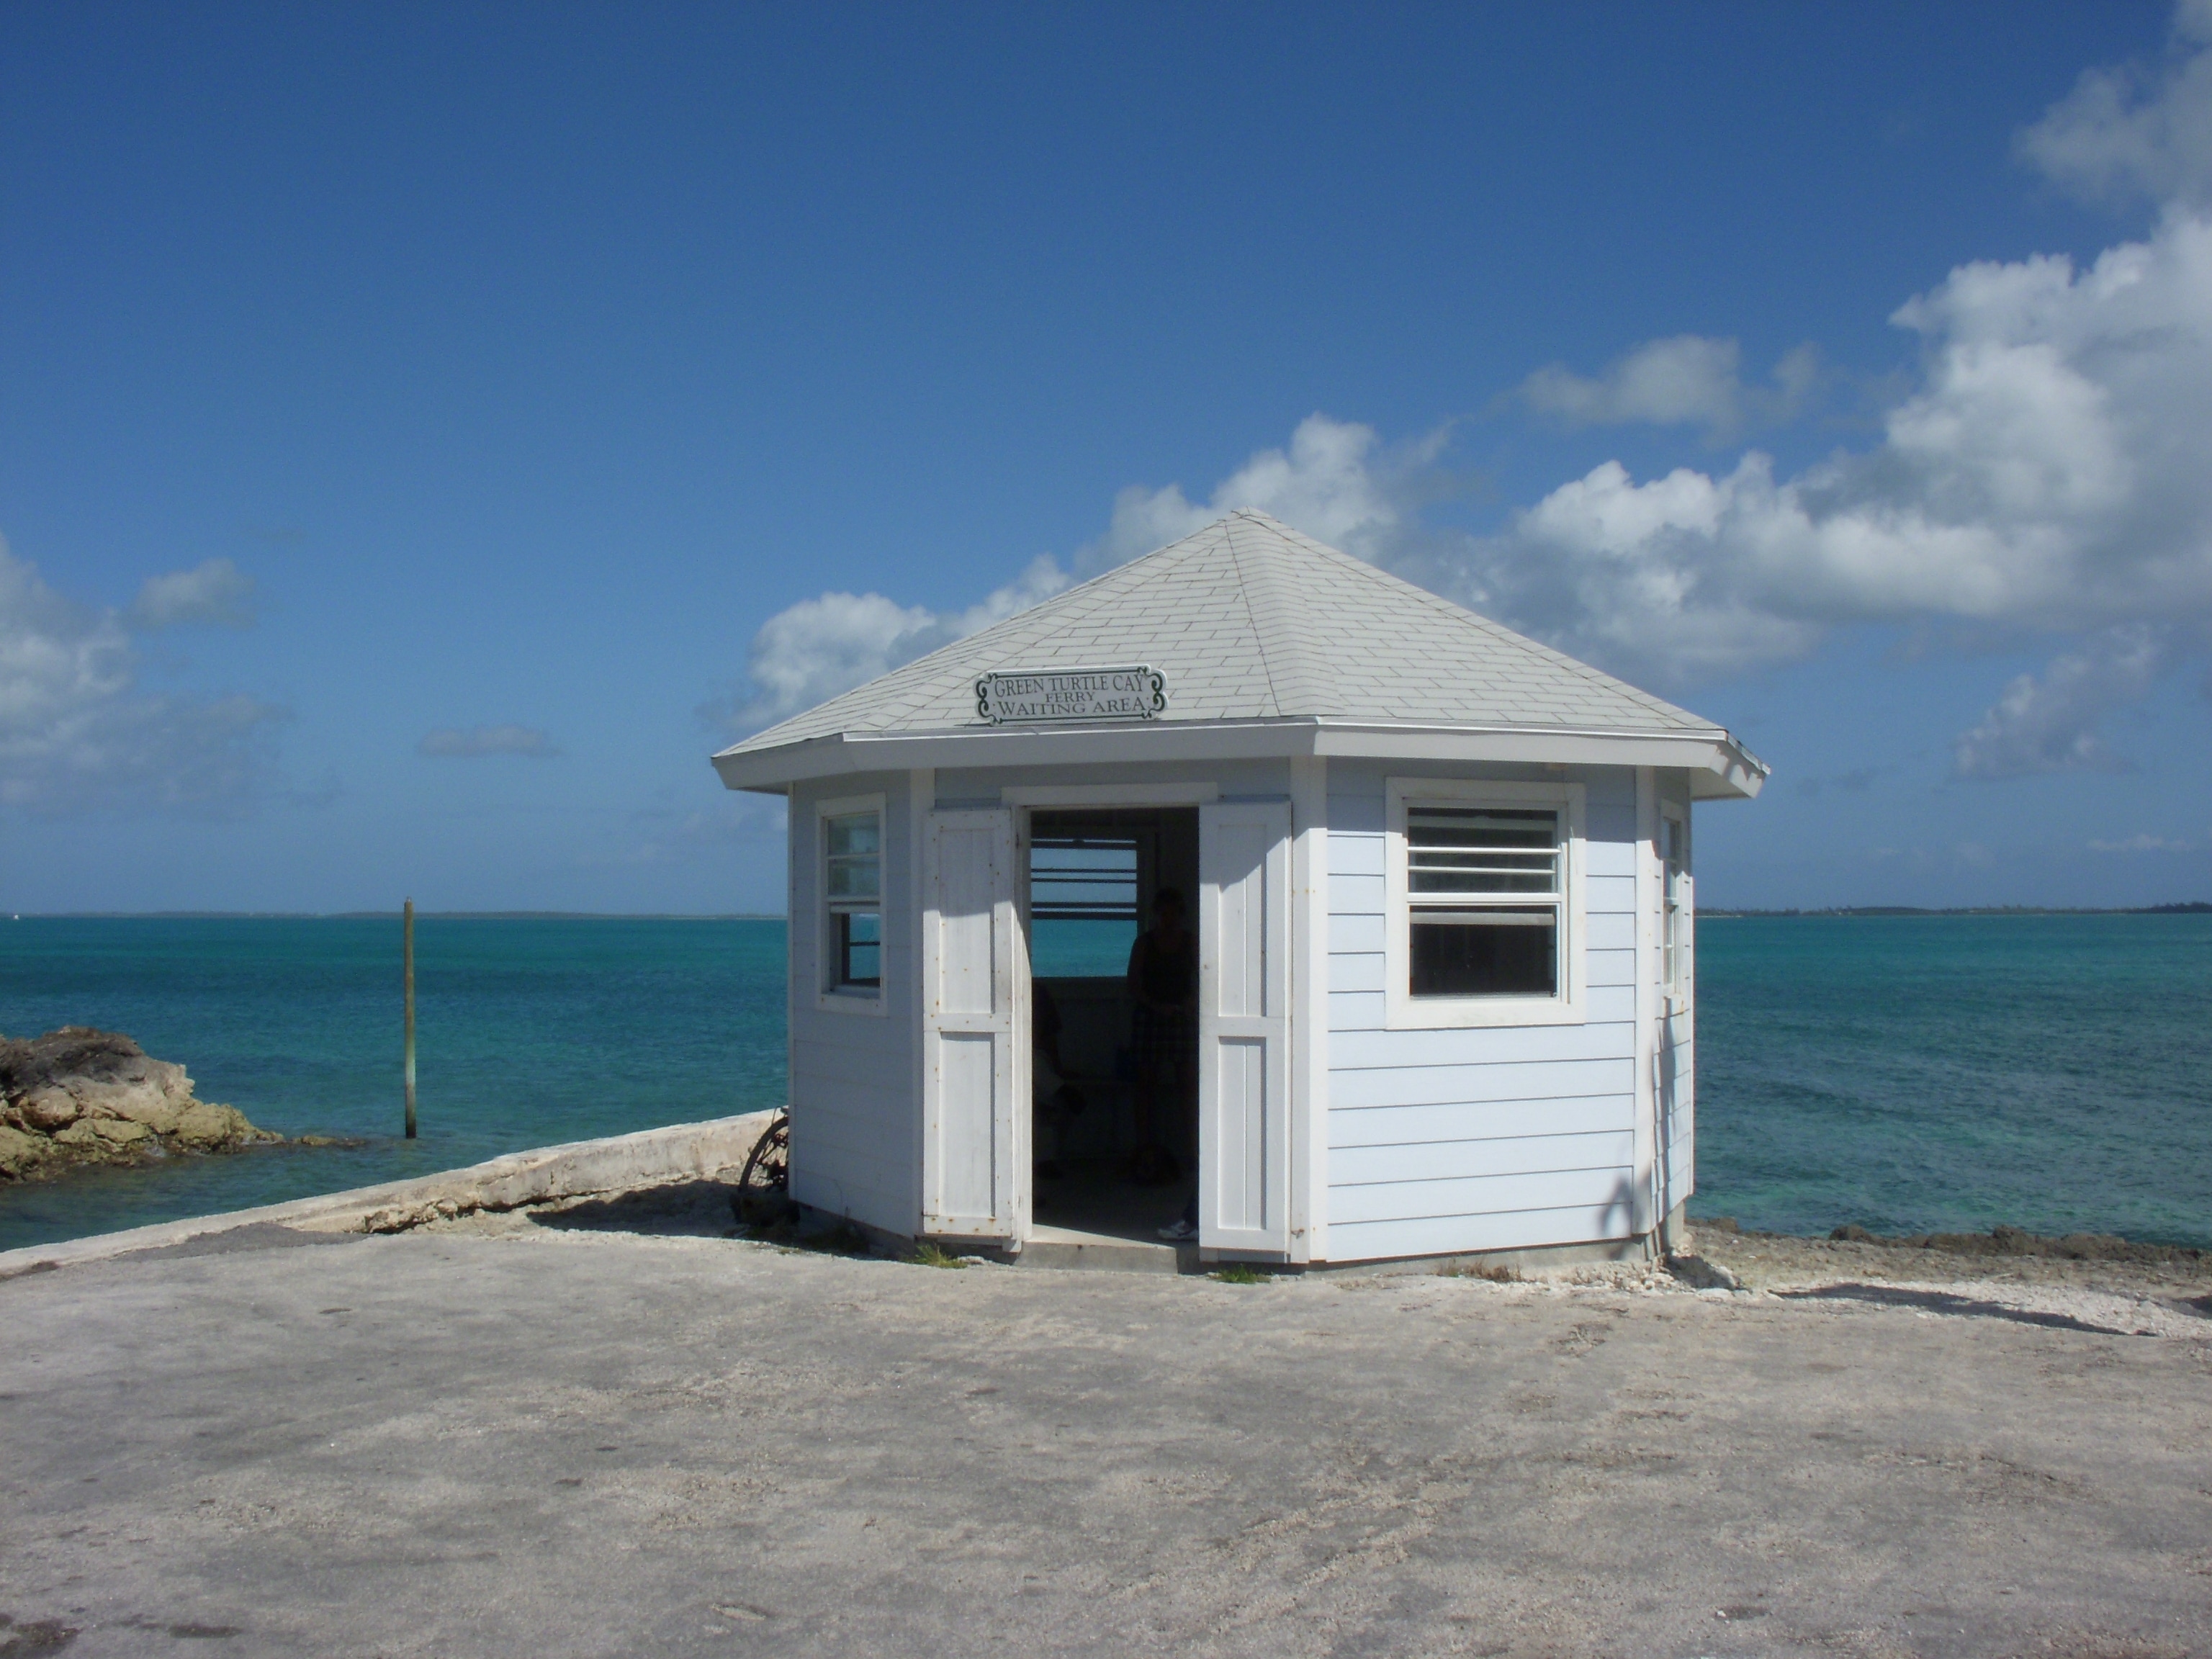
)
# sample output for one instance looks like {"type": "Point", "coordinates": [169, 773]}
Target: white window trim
{"type": "Point", "coordinates": [1403, 1012]}
{"type": "Point", "coordinates": [1109, 795]}
{"type": "Point", "coordinates": [827, 999]}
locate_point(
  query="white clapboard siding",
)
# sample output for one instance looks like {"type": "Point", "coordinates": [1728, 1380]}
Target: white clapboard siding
{"type": "Point", "coordinates": [1357, 934]}
{"type": "Point", "coordinates": [1466, 1160]}
{"type": "Point", "coordinates": [1353, 1051]}
{"type": "Point", "coordinates": [1440, 1085]}
{"type": "Point", "coordinates": [1356, 971]}
{"type": "Point", "coordinates": [1519, 1230]}
{"type": "Point", "coordinates": [1609, 968]}
{"type": "Point", "coordinates": [1478, 1195]}
{"type": "Point", "coordinates": [1496, 1120]}
{"type": "Point", "coordinates": [1368, 1011]}
{"type": "Point", "coordinates": [1496, 1138]}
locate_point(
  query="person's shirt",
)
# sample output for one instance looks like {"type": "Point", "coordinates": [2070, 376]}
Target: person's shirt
{"type": "Point", "coordinates": [1163, 975]}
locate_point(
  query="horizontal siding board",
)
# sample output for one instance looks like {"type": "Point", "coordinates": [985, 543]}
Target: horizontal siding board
{"type": "Point", "coordinates": [1610, 1004]}
{"type": "Point", "coordinates": [1416, 1201]}
{"type": "Point", "coordinates": [1494, 1045]}
{"type": "Point", "coordinates": [884, 1037]}
{"type": "Point", "coordinates": [1442, 1085]}
{"type": "Point", "coordinates": [850, 1135]}
{"type": "Point", "coordinates": [1610, 967]}
{"type": "Point", "coordinates": [1614, 931]}
{"type": "Point", "coordinates": [1611, 817]}
{"type": "Point", "coordinates": [1356, 895]}
{"type": "Point", "coordinates": [848, 1168]}
{"type": "Point", "coordinates": [1608, 893]}
{"type": "Point", "coordinates": [830, 1065]}
{"type": "Point", "coordinates": [1609, 858]}
{"type": "Point", "coordinates": [892, 1212]}
{"type": "Point", "coordinates": [1350, 853]}
{"type": "Point", "coordinates": [1358, 1011]}
{"type": "Point", "coordinates": [1446, 1160]}
{"type": "Point", "coordinates": [1379, 1241]}
{"type": "Point", "coordinates": [1360, 971]}
{"type": "Point", "coordinates": [1475, 1121]}
{"type": "Point", "coordinates": [1356, 934]}
{"type": "Point", "coordinates": [1354, 811]}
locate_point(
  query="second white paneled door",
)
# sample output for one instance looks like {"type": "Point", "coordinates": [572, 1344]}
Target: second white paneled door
{"type": "Point", "coordinates": [1244, 1027]}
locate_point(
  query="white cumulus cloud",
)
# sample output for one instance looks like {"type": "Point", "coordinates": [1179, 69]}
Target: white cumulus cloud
{"type": "Point", "coordinates": [2124, 132]}
{"type": "Point", "coordinates": [1335, 480]}
{"type": "Point", "coordinates": [79, 733]}
{"type": "Point", "coordinates": [812, 650]}
{"type": "Point", "coordinates": [1687, 380]}
{"type": "Point", "coordinates": [216, 592]}
{"type": "Point", "coordinates": [2049, 722]}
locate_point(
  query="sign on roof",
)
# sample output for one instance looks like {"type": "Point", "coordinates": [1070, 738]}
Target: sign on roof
{"type": "Point", "coordinates": [1072, 693]}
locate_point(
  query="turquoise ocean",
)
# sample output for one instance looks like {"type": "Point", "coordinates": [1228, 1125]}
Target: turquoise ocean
{"type": "Point", "coordinates": [1908, 1073]}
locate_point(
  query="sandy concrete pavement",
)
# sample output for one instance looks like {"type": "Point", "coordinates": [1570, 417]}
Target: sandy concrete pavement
{"type": "Point", "coordinates": [553, 1443]}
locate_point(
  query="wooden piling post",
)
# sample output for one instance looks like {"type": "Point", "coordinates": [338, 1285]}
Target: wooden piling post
{"type": "Point", "coordinates": [407, 949]}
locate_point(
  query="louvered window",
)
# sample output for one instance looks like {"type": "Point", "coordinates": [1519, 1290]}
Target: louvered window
{"type": "Point", "coordinates": [852, 846]}
{"type": "Point", "coordinates": [1484, 901]}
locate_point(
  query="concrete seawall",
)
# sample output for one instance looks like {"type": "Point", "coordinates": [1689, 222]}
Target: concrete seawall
{"type": "Point", "coordinates": [649, 1157]}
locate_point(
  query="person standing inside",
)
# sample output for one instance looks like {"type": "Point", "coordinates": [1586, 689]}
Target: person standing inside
{"type": "Point", "coordinates": [1164, 987]}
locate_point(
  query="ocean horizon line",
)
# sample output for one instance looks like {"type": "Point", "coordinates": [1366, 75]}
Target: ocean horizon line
{"type": "Point", "coordinates": [1718, 913]}
{"type": "Point", "coordinates": [394, 915]}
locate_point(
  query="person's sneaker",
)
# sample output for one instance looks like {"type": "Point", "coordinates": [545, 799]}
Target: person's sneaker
{"type": "Point", "coordinates": [1181, 1233]}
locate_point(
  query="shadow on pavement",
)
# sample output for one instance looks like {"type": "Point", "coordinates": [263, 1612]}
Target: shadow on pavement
{"type": "Point", "coordinates": [1944, 1302]}
{"type": "Point", "coordinates": [686, 1209]}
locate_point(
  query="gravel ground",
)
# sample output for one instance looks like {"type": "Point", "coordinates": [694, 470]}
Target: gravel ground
{"type": "Point", "coordinates": [561, 1434]}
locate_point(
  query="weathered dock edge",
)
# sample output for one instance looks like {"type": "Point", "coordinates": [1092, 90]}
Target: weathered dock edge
{"type": "Point", "coordinates": [579, 1169]}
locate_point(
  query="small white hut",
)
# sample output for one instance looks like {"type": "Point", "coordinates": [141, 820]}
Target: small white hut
{"type": "Point", "coordinates": [1439, 875]}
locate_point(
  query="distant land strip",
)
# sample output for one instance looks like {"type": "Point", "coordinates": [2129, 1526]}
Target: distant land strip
{"type": "Point", "coordinates": [2195, 908]}
{"type": "Point", "coordinates": [394, 915]}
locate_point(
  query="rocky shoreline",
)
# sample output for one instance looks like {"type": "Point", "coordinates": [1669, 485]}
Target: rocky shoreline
{"type": "Point", "coordinates": [2003, 1255]}
{"type": "Point", "coordinates": [78, 1097]}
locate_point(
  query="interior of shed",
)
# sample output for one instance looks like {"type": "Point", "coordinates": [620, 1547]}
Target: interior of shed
{"type": "Point", "coordinates": [1114, 1128]}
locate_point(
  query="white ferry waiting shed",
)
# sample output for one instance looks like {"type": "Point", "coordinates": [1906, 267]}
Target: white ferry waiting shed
{"type": "Point", "coordinates": [1439, 879]}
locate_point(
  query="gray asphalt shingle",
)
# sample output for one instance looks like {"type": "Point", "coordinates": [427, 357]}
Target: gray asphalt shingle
{"type": "Point", "coordinates": [1247, 619]}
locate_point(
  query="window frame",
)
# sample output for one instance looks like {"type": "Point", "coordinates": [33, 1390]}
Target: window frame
{"type": "Point", "coordinates": [1569, 1005]}
{"type": "Point", "coordinates": [830, 996]}
{"type": "Point", "coordinates": [1677, 908]}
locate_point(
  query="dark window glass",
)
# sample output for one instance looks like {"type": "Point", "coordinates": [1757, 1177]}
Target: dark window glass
{"type": "Point", "coordinates": [1488, 952]}
{"type": "Point", "coordinates": [859, 947]}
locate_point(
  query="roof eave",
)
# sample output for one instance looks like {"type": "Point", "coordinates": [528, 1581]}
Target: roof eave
{"type": "Point", "coordinates": [1720, 768]}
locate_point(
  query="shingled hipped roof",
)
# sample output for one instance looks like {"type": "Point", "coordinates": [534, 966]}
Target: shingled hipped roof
{"type": "Point", "coordinates": [1249, 620]}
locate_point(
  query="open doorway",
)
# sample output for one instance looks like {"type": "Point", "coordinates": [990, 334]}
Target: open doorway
{"type": "Point", "coordinates": [1113, 1125]}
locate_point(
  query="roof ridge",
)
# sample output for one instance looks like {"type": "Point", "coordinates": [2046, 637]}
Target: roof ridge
{"type": "Point", "coordinates": [1244, 598]}
{"type": "Point", "coordinates": [1464, 615]}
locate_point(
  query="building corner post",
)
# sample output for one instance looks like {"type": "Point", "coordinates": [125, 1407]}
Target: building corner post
{"type": "Point", "coordinates": [1643, 1209]}
{"type": "Point", "coordinates": [1309, 1071]}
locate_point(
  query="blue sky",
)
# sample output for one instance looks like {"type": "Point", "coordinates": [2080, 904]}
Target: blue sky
{"type": "Point", "coordinates": [427, 432]}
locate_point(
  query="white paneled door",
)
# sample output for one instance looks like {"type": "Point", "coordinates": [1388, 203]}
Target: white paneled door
{"type": "Point", "coordinates": [974, 1066]}
{"type": "Point", "coordinates": [1244, 1027]}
